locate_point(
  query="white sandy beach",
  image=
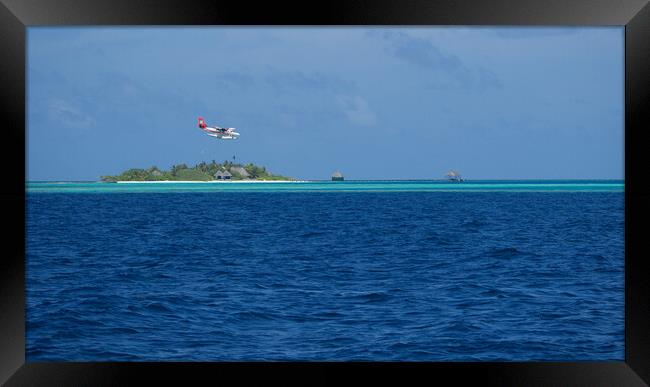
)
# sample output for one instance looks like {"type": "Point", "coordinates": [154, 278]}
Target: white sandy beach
{"type": "Point", "coordinates": [212, 181]}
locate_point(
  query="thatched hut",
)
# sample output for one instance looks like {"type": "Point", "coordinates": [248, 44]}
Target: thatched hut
{"type": "Point", "coordinates": [241, 170]}
{"type": "Point", "coordinates": [453, 176]}
{"type": "Point", "coordinates": [222, 175]}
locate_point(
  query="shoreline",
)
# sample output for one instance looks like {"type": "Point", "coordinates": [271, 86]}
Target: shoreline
{"type": "Point", "coordinates": [207, 181]}
{"type": "Point", "coordinates": [473, 181]}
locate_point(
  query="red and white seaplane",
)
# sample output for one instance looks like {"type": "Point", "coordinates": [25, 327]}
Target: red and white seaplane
{"type": "Point", "coordinates": [215, 131]}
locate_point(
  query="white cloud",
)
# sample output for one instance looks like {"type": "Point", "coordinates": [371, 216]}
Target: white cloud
{"type": "Point", "coordinates": [357, 111]}
{"type": "Point", "coordinates": [68, 115]}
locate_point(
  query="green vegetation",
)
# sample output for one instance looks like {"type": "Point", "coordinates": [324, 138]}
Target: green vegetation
{"type": "Point", "coordinates": [200, 172]}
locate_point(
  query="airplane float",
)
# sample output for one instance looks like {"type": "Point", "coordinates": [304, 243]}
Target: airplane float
{"type": "Point", "coordinates": [215, 131]}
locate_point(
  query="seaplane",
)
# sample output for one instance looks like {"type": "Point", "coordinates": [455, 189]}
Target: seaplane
{"type": "Point", "coordinates": [215, 131]}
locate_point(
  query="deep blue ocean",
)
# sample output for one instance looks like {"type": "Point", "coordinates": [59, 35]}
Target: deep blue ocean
{"type": "Point", "coordinates": [293, 271]}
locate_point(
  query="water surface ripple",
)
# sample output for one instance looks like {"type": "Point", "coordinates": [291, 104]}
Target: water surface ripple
{"type": "Point", "coordinates": [426, 276]}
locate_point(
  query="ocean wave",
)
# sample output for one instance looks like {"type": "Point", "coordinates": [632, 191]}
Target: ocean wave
{"type": "Point", "coordinates": [325, 276]}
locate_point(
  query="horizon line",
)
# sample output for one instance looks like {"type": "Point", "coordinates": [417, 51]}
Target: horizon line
{"type": "Point", "coordinates": [406, 179]}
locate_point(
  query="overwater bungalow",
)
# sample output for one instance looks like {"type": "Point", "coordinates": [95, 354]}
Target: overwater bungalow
{"type": "Point", "coordinates": [454, 176]}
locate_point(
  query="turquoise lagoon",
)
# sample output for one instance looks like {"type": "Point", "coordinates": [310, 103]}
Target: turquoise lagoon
{"type": "Point", "coordinates": [332, 186]}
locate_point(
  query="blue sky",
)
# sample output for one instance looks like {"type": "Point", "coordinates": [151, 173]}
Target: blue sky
{"type": "Point", "coordinates": [374, 103]}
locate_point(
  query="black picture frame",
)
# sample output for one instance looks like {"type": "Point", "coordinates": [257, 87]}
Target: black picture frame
{"type": "Point", "coordinates": [17, 15]}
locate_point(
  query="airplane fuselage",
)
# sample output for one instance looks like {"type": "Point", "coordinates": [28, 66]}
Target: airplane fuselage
{"type": "Point", "coordinates": [215, 131]}
{"type": "Point", "coordinates": [222, 133]}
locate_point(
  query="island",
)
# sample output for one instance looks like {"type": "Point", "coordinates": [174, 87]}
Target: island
{"type": "Point", "coordinates": [200, 172]}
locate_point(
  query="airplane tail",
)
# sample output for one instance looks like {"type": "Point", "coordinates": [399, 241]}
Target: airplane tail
{"type": "Point", "coordinates": [202, 124]}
